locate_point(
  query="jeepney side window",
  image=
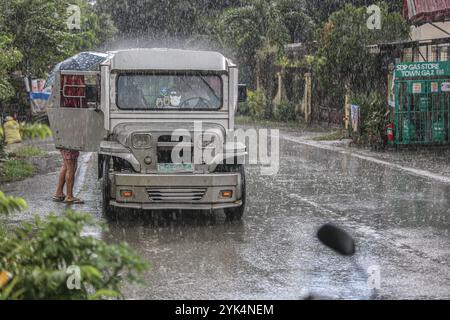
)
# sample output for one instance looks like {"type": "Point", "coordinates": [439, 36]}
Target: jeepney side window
{"type": "Point", "coordinates": [73, 91]}
{"type": "Point", "coordinates": [79, 91]}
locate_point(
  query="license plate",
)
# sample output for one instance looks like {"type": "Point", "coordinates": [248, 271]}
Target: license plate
{"type": "Point", "coordinates": [175, 167]}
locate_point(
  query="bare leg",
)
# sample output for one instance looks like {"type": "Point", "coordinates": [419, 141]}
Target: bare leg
{"type": "Point", "coordinates": [70, 178]}
{"type": "Point", "coordinates": [61, 181]}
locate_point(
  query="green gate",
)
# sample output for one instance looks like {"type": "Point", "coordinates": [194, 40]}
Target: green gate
{"type": "Point", "coordinates": [422, 103]}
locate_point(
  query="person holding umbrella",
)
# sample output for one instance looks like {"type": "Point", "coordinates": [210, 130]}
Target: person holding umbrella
{"type": "Point", "coordinates": [83, 61]}
{"type": "Point", "coordinates": [70, 157]}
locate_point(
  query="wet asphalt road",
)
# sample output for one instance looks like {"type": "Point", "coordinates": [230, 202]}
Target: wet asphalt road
{"type": "Point", "coordinates": [400, 222]}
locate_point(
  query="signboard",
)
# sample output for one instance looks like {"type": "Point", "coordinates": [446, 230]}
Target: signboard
{"type": "Point", "coordinates": [417, 87]}
{"type": "Point", "coordinates": [422, 69]}
{"type": "Point", "coordinates": [38, 95]}
{"type": "Point", "coordinates": [434, 87]}
{"type": "Point", "coordinates": [445, 87]}
{"type": "Point", "coordinates": [355, 117]}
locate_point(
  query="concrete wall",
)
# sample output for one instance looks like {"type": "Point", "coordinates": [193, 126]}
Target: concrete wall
{"type": "Point", "coordinates": [427, 32]}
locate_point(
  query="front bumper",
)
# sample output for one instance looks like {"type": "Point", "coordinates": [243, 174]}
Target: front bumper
{"type": "Point", "coordinates": [176, 191]}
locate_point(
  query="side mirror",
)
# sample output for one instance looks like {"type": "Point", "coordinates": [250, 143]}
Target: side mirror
{"type": "Point", "coordinates": [242, 92]}
{"type": "Point", "coordinates": [337, 239]}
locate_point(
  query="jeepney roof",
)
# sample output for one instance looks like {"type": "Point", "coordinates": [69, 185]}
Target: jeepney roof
{"type": "Point", "coordinates": [168, 59]}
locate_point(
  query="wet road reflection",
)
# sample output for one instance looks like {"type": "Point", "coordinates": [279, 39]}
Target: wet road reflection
{"type": "Point", "coordinates": [400, 222]}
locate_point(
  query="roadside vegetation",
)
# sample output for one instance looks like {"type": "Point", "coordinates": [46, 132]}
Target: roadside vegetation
{"type": "Point", "coordinates": [35, 131]}
{"type": "Point", "coordinates": [294, 125]}
{"type": "Point", "coordinates": [333, 136]}
{"type": "Point", "coordinates": [51, 258]}
{"type": "Point", "coordinates": [16, 170]}
{"type": "Point", "coordinates": [247, 120]}
{"type": "Point", "coordinates": [25, 152]}
{"type": "Point", "coordinates": [334, 42]}
{"type": "Point", "coordinates": [15, 165]}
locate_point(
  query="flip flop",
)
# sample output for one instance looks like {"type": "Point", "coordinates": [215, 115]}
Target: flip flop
{"type": "Point", "coordinates": [58, 199]}
{"type": "Point", "coordinates": [74, 201]}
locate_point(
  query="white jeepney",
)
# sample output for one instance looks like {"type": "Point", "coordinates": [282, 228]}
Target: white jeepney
{"type": "Point", "coordinates": [153, 115]}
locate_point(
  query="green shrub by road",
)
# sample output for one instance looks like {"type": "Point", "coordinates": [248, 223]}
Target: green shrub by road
{"type": "Point", "coordinates": [335, 135]}
{"type": "Point", "coordinates": [16, 167]}
{"type": "Point", "coordinates": [16, 170]}
{"type": "Point", "coordinates": [52, 259]}
{"type": "Point", "coordinates": [28, 152]}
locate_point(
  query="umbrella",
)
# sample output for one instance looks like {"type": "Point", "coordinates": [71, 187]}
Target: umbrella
{"type": "Point", "coordinates": [84, 61]}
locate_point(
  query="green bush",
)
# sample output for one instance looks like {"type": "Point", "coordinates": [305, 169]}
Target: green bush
{"type": "Point", "coordinates": [285, 112]}
{"type": "Point", "coordinates": [256, 104]}
{"type": "Point", "coordinates": [372, 125]}
{"type": "Point", "coordinates": [16, 170]}
{"type": "Point", "coordinates": [11, 204]}
{"type": "Point", "coordinates": [243, 109]}
{"type": "Point", "coordinates": [28, 152]}
{"type": "Point", "coordinates": [31, 131]}
{"type": "Point", "coordinates": [34, 131]}
{"type": "Point", "coordinates": [38, 256]}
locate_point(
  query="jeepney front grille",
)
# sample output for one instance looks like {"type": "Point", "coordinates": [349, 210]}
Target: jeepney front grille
{"type": "Point", "coordinates": [176, 194]}
{"type": "Point", "coordinates": [165, 146]}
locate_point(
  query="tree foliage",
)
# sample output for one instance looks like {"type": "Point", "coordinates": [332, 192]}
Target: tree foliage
{"type": "Point", "coordinates": [321, 10]}
{"type": "Point", "coordinates": [344, 59]}
{"type": "Point", "coordinates": [9, 58]}
{"type": "Point", "coordinates": [249, 28]}
{"type": "Point", "coordinates": [300, 26]}
{"type": "Point", "coordinates": [161, 18]}
{"type": "Point", "coordinates": [41, 34]}
{"type": "Point", "coordinates": [255, 25]}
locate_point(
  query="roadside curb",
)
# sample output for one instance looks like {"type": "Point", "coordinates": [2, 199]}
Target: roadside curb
{"type": "Point", "coordinates": [80, 174]}
{"type": "Point", "coordinates": [364, 156]}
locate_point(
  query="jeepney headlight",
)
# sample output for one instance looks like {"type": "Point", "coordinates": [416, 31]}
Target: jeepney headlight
{"type": "Point", "coordinates": [148, 160]}
{"type": "Point", "coordinates": [141, 141]}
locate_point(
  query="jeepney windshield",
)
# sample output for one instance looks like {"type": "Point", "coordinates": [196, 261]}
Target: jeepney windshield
{"type": "Point", "coordinates": [169, 91]}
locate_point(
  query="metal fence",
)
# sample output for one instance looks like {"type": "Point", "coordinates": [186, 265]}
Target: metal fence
{"type": "Point", "coordinates": [422, 111]}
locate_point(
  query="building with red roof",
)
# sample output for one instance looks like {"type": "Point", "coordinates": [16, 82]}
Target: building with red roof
{"type": "Point", "coordinates": [430, 20]}
{"type": "Point", "coordinates": [419, 12]}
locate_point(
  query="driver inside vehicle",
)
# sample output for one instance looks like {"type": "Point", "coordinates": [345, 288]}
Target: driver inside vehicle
{"type": "Point", "coordinates": [169, 92]}
{"type": "Point", "coordinates": [190, 94]}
